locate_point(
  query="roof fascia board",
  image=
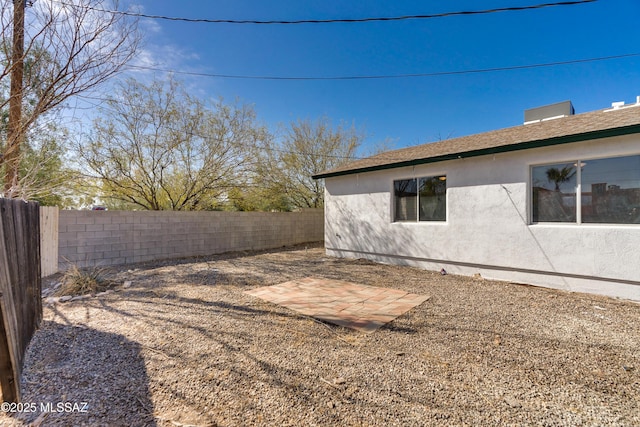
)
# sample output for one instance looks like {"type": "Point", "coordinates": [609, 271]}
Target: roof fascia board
{"type": "Point", "coordinates": [567, 139]}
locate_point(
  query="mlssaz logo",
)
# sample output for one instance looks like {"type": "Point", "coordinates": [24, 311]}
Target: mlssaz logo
{"type": "Point", "coordinates": [76, 407]}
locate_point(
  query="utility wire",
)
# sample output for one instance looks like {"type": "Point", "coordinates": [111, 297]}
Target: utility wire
{"type": "Point", "coordinates": [332, 21]}
{"type": "Point", "coordinates": [388, 76]}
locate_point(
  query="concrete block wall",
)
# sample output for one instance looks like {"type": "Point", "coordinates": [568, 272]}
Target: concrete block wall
{"type": "Point", "coordinates": [88, 238]}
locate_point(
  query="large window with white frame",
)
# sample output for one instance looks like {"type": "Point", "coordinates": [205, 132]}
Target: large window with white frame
{"type": "Point", "coordinates": [420, 199]}
{"type": "Point", "coordinates": [605, 190]}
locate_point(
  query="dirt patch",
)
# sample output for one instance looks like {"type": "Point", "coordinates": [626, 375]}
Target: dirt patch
{"type": "Point", "coordinates": [183, 344]}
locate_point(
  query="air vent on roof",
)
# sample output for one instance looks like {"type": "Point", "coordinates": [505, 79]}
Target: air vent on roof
{"type": "Point", "coordinates": [548, 112]}
{"type": "Point", "coordinates": [619, 105]}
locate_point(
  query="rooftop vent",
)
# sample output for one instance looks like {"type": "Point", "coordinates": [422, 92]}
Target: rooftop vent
{"type": "Point", "coordinates": [620, 104]}
{"type": "Point", "coordinates": [548, 112]}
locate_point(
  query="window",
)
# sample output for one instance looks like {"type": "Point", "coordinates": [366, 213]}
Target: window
{"type": "Point", "coordinates": [554, 193]}
{"type": "Point", "coordinates": [406, 196]}
{"type": "Point", "coordinates": [422, 199]}
{"type": "Point", "coordinates": [609, 191]}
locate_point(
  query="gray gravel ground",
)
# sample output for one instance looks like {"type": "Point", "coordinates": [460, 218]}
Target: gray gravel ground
{"type": "Point", "coordinates": [183, 345]}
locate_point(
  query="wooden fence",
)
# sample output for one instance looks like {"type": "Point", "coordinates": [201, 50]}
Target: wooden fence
{"type": "Point", "coordinates": [49, 240]}
{"type": "Point", "coordinates": [20, 289]}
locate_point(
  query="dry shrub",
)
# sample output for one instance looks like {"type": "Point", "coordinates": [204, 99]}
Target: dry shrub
{"type": "Point", "coordinates": [81, 281]}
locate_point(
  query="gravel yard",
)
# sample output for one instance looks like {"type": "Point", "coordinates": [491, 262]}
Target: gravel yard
{"type": "Point", "coordinates": [183, 345]}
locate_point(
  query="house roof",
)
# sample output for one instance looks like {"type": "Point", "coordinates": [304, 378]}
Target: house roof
{"type": "Point", "coordinates": [580, 127]}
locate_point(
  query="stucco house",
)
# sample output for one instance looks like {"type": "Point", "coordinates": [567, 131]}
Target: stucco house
{"type": "Point", "coordinates": [553, 202]}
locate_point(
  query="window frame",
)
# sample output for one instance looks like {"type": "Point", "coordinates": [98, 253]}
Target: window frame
{"type": "Point", "coordinates": [417, 214]}
{"type": "Point", "coordinates": [582, 161]}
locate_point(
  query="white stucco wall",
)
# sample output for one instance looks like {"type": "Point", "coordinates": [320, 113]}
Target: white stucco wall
{"type": "Point", "coordinates": [488, 228]}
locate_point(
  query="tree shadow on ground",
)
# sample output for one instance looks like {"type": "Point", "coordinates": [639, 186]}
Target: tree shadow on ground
{"type": "Point", "coordinates": [81, 376]}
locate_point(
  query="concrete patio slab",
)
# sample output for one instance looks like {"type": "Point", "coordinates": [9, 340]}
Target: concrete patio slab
{"type": "Point", "coordinates": [361, 307]}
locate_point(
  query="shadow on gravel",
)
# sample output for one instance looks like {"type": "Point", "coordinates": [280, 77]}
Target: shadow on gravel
{"type": "Point", "coordinates": [82, 367]}
{"type": "Point", "coordinates": [169, 299]}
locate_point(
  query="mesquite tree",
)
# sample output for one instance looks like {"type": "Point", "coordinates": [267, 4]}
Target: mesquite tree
{"type": "Point", "coordinates": [306, 148]}
{"type": "Point", "coordinates": [157, 147]}
{"type": "Point", "coordinates": [69, 48]}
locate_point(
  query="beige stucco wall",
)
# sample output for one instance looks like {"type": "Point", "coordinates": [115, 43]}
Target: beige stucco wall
{"type": "Point", "coordinates": [488, 228]}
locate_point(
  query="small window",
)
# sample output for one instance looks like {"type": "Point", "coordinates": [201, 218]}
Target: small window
{"type": "Point", "coordinates": [421, 199]}
{"type": "Point", "coordinates": [406, 196]}
{"type": "Point", "coordinates": [610, 191]}
{"type": "Point", "coordinates": [433, 204]}
{"type": "Point", "coordinates": [554, 192]}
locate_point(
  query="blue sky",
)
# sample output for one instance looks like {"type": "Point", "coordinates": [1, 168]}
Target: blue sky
{"type": "Point", "coordinates": [403, 111]}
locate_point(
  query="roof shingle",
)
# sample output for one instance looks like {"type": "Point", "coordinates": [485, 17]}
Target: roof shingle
{"type": "Point", "coordinates": [586, 126]}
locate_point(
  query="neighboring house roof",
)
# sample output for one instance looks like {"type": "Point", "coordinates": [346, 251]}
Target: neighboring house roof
{"type": "Point", "coordinates": [580, 127]}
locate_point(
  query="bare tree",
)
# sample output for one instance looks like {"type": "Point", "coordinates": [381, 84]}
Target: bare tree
{"type": "Point", "coordinates": [45, 173]}
{"type": "Point", "coordinates": [159, 148]}
{"type": "Point", "coordinates": [70, 47]}
{"type": "Point", "coordinates": [307, 148]}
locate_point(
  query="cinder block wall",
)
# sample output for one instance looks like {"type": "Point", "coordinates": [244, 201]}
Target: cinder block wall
{"type": "Point", "coordinates": [88, 238]}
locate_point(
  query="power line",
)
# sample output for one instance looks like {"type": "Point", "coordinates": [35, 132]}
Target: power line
{"type": "Point", "coordinates": [339, 20]}
{"type": "Point", "coordinates": [390, 76]}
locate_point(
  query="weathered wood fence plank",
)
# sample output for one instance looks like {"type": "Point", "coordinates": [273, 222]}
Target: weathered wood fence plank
{"type": "Point", "coordinates": [20, 288]}
{"type": "Point", "coordinates": [49, 239]}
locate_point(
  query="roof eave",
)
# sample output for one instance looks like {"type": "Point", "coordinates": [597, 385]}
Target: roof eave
{"type": "Point", "coordinates": [566, 139]}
